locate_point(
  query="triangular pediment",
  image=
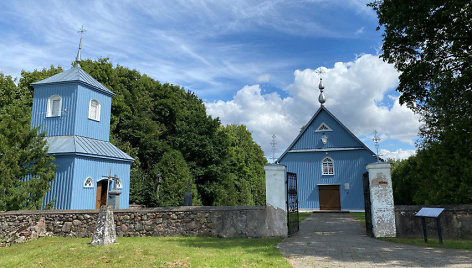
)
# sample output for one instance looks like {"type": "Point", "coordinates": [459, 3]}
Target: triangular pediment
{"type": "Point", "coordinates": [324, 132]}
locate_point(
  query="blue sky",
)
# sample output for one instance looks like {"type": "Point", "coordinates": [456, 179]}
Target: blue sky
{"type": "Point", "coordinates": [252, 62]}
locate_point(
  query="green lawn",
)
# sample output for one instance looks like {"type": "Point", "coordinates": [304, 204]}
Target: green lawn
{"type": "Point", "coordinates": [303, 215]}
{"type": "Point", "coordinates": [360, 216]}
{"type": "Point", "coordinates": [145, 252]}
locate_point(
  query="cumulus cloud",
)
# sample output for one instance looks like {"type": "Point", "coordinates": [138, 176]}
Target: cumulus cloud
{"type": "Point", "coordinates": [397, 155]}
{"type": "Point", "coordinates": [355, 93]}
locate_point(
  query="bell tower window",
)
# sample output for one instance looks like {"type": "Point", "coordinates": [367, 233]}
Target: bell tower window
{"type": "Point", "coordinates": [94, 110]}
{"type": "Point", "coordinates": [54, 106]}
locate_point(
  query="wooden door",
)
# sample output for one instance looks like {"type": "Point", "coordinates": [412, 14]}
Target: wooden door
{"type": "Point", "coordinates": [102, 191]}
{"type": "Point", "coordinates": [329, 197]}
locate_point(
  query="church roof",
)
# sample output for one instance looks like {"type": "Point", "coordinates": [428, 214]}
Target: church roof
{"type": "Point", "coordinates": [323, 108]}
{"type": "Point", "coordinates": [85, 146]}
{"type": "Point", "coordinates": [76, 74]}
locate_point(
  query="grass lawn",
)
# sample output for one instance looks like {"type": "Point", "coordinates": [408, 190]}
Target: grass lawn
{"type": "Point", "coordinates": [303, 215]}
{"type": "Point", "coordinates": [145, 252]}
{"type": "Point", "coordinates": [360, 216]}
{"type": "Point", "coordinates": [455, 244]}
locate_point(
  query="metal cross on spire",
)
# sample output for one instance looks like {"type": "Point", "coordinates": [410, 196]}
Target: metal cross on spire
{"type": "Point", "coordinates": [376, 140]}
{"type": "Point", "coordinates": [273, 143]}
{"type": "Point", "coordinates": [77, 59]}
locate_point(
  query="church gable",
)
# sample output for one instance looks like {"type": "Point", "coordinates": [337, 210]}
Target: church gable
{"type": "Point", "coordinates": [325, 132]}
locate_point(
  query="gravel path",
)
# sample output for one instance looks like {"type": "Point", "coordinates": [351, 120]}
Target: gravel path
{"type": "Point", "coordinates": [338, 240]}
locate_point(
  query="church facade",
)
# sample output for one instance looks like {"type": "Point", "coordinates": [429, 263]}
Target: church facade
{"type": "Point", "coordinates": [74, 111]}
{"type": "Point", "coordinates": [329, 161]}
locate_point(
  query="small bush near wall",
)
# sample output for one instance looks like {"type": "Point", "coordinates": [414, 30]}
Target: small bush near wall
{"type": "Point", "coordinates": [456, 222]}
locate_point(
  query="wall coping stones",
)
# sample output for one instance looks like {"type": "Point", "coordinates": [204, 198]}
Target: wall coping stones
{"type": "Point", "coordinates": [141, 210]}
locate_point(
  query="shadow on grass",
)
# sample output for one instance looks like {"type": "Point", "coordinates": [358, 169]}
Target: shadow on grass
{"type": "Point", "coordinates": [263, 246]}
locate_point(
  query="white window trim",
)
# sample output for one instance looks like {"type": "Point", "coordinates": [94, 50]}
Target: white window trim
{"type": "Point", "coordinates": [97, 118]}
{"type": "Point", "coordinates": [323, 130]}
{"type": "Point", "coordinates": [87, 180]}
{"type": "Point", "coordinates": [322, 166]}
{"type": "Point", "coordinates": [49, 112]}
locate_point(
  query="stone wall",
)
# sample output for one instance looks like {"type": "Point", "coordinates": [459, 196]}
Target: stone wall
{"type": "Point", "coordinates": [456, 222]}
{"type": "Point", "coordinates": [171, 221]}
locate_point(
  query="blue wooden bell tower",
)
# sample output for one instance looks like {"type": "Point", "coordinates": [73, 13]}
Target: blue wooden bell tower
{"type": "Point", "coordinates": [74, 110]}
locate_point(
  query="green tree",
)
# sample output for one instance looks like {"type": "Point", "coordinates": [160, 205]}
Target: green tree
{"type": "Point", "coordinates": [27, 169]}
{"type": "Point", "coordinates": [246, 163]}
{"type": "Point", "coordinates": [175, 176]}
{"type": "Point", "coordinates": [430, 44]}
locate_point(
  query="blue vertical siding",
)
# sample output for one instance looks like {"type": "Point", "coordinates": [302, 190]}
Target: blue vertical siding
{"type": "Point", "coordinates": [84, 198]}
{"type": "Point", "coordinates": [61, 188]}
{"type": "Point", "coordinates": [55, 126]}
{"type": "Point", "coordinates": [90, 128]}
{"type": "Point", "coordinates": [348, 168]}
{"type": "Point", "coordinates": [338, 138]}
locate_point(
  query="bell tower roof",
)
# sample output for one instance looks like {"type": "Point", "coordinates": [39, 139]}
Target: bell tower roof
{"type": "Point", "coordinates": [76, 74]}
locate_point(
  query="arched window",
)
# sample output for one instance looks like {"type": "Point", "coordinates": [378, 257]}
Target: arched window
{"type": "Point", "coordinates": [327, 166]}
{"type": "Point", "coordinates": [94, 110]}
{"type": "Point", "coordinates": [54, 106]}
{"type": "Point", "coordinates": [88, 183]}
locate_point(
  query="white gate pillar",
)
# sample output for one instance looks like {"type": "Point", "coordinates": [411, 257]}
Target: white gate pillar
{"type": "Point", "coordinates": [381, 198]}
{"type": "Point", "coordinates": [276, 200]}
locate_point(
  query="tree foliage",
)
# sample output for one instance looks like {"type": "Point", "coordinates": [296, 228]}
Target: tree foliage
{"type": "Point", "coordinates": [430, 43]}
{"type": "Point", "coordinates": [246, 164]}
{"type": "Point", "coordinates": [26, 168]}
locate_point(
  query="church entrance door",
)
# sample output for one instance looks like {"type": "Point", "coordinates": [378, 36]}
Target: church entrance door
{"type": "Point", "coordinates": [329, 197]}
{"type": "Point", "coordinates": [102, 191]}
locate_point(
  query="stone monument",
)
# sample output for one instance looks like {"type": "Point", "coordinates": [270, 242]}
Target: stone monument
{"type": "Point", "coordinates": [105, 232]}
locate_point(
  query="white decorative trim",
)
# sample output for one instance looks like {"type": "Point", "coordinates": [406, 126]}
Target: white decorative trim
{"type": "Point", "coordinates": [323, 128]}
{"type": "Point", "coordinates": [54, 102]}
{"type": "Point", "coordinates": [94, 110]}
{"type": "Point", "coordinates": [88, 183]}
{"type": "Point", "coordinates": [329, 170]}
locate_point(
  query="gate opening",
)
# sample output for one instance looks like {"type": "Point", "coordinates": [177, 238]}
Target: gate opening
{"type": "Point", "coordinates": [292, 203]}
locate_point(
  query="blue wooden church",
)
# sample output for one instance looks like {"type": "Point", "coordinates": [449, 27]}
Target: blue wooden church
{"type": "Point", "coordinates": [74, 110]}
{"type": "Point", "coordinates": [329, 161]}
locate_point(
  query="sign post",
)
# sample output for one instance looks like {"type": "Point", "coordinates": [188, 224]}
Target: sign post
{"type": "Point", "coordinates": [434, 213]}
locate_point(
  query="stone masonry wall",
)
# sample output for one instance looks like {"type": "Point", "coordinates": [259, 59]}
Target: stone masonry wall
{"type": "Point", "coordinates": [171, 221]}
{"type": "Point", "coordinates": [456, 222]}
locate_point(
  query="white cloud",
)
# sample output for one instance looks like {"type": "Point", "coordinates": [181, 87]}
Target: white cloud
{"type": "Point", "coordinates": [353, 91]}
{"type": "Point", "coordinates": [397, 155]}
{"type": "Point", "coordinates": [263, 78]}
{"type": "Point", "coordinates": [360, 31]}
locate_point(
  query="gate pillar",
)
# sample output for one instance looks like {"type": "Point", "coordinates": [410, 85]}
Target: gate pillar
{"type": "Point", "coordinates": [276, 200]}
{"type": "Point", "coordinates": [381, 198]}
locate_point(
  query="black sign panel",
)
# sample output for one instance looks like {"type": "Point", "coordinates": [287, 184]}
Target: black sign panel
{"type": "Point", "coordinates": [292, 203]}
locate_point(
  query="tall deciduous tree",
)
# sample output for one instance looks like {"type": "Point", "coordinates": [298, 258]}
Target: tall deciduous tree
{"type": "Point", "coordinates": [430, 43]}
